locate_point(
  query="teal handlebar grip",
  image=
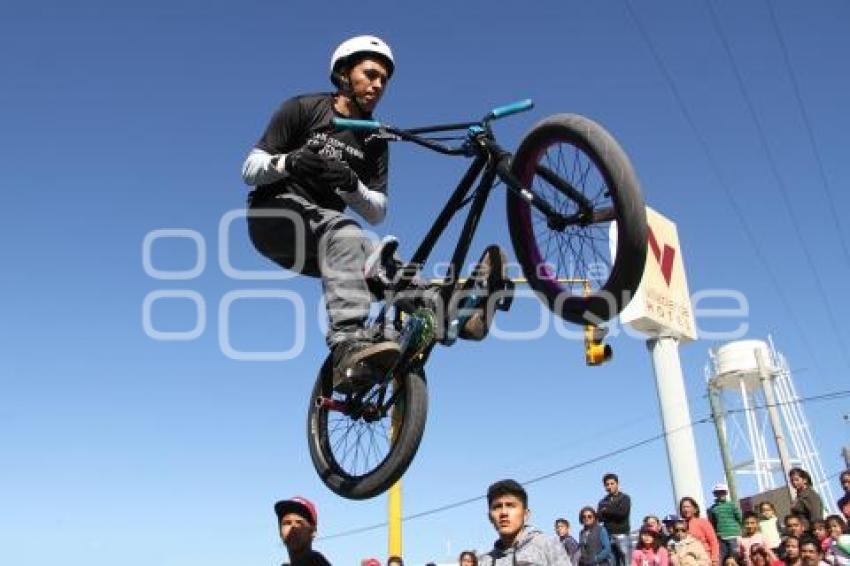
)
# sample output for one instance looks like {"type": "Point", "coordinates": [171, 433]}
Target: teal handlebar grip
{"type": "Point", "coordinates": [347, 124]}
{"type": "Point", "coordinates": [513, 108]}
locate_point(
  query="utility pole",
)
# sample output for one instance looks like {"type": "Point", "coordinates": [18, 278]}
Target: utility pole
{"type": "Point", "coordinates": [766, 378]}
{"type": "Point", "coordinates": [718, 415]}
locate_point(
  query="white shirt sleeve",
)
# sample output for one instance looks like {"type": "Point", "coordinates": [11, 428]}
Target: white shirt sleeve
{"type": "Point", "coordinates": [371, 205]}
{"type": "Point", "coordinates": [258, 170]}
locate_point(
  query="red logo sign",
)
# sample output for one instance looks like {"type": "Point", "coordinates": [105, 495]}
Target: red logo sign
{"type": "Point", "coordinates": [665, 258]}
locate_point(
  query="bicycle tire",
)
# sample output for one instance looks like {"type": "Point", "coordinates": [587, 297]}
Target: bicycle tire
{"type": "Point", "coordinates": [578, 145]}
{"type": "Point", "coordinates": [374, 478]}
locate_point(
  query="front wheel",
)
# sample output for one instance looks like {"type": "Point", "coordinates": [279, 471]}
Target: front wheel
{"type": "Point", "coordinates": [575, 267]}
{"type": "Point", "coordinates": [358, 449]}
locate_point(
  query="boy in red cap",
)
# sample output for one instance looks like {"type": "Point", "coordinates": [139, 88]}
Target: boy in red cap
{"type": "Point", "coordinates": [296, 521]}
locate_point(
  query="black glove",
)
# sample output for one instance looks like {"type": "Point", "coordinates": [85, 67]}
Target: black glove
{"type": "Point", "coordinates": [304, 163]}
{"type": "Point", "coordinates": [338, 175]}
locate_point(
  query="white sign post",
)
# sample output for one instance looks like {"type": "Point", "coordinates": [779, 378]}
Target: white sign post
{"type": "Point", "coordinates": [661, 308]}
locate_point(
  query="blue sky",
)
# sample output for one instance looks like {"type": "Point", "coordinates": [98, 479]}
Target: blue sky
{"type": "Point", "coordinates": [124, 118]}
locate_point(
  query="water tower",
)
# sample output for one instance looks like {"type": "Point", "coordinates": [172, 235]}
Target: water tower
{"type": "Point", "coordinates": [762, 426]}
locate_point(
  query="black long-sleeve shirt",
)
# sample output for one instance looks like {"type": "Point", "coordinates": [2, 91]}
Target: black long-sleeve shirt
{"type": "Point", "coordinates": [306, 120]}
{"type": "Point", "coordinates": [614, 510]}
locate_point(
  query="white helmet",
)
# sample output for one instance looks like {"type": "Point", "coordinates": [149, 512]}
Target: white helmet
{"type": "Point", "coordinates": [360, 45]}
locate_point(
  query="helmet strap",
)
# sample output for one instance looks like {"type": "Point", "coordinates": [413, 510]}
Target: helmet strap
{"type": "Point", "coordinates": [346, 90]}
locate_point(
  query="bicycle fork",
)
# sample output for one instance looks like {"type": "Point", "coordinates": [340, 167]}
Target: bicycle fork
{"type": "Point", "coordinates": [554, 219]}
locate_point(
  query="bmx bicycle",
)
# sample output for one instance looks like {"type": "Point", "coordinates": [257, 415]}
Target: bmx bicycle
{"type": "Point", "coordinates": [570, 190]}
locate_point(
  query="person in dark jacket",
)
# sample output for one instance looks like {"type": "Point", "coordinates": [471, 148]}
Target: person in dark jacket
{"type": "Point", "coordinates": [807, 505]}
{"type": "Point", "coordinates": [296, 520]}
{"type": "Point", "coordinates": [594, 543]}
{"type": "Point", "coordinates": [614, 510]}
{"type": "Point", "coordinates": [570, 544]}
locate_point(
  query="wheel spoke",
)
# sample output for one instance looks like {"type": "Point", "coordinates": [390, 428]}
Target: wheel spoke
{"type": "Point", "coordinates": [581, 251]}
{"type": "Point", "coordinates": [358, 446]}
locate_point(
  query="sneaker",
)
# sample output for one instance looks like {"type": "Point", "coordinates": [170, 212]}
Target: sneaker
{"type": "Point", "coordinates": [356, 362]}
{"type": "Point", "coordinates": [489, 276]}
{"type": "Point", "coordinates": [381, 264]}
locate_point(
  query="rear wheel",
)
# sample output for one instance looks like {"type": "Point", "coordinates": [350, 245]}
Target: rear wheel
{"type": "Point", "coordinates": [580, 272]}
{"type": "Point", "coordinates": [358, 449]}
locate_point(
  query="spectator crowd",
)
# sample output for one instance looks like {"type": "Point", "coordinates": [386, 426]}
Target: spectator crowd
{"type": "Point", "coordinates": [722, 536]}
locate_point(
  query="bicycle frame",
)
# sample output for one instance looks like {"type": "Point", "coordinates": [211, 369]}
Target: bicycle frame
{"type": "Point", "coordinates": [490, 162]}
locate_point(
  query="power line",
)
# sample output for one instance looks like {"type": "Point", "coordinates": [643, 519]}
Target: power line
{"type": "Point", "coordinates": [537, 479]}
{"type": "Point", "coordinates": [783, 190]}
{"type": "Point", "coordinates": [814, 398]}
{"type": "Point", "coordinates": [572, 467]}
{"type": "Point", "coordinates": [833, 208]}
{"type": "Point", "coordinates": [742, 219]}
{"type": "Point", "coordinates": [617, 452]}
{"type": "Point", "coordinates": [569, 468]}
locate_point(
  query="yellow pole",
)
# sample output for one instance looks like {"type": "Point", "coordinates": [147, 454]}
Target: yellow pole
{"type": "Point", "coordinates": [394, 533]}
{"type": "Point", "coordinates": [394, 502]}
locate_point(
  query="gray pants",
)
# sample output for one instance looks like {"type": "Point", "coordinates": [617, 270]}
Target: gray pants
{"type": "Point", "coordinates": [621, 546]}
{"type": "Point", "coordinates": [317, 242]}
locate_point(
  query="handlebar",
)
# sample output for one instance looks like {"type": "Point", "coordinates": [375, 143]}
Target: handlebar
{"type": "Point", "coordinates": [508, 109]}
{"type": "Point", "coordinates": [348, 124]}
{"type": "Point", "coordinates": [412, 134]}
